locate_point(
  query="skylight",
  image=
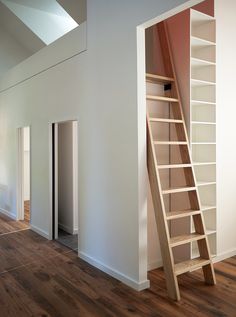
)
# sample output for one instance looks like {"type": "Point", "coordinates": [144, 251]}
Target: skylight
{"type": "Point", "coordinates": [46, 18]}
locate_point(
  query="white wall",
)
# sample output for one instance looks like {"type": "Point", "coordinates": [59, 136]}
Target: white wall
{"type": "Point", "coordinates": [99, 88]}
{"type": "Point", "coordinates": [226, 113]}
{"type": "Point", "coordinates": [65, 177]}
{"type": "Point", "coordinates": [26, 163]}
{"type": "Point", "coordinates": [11, 52]}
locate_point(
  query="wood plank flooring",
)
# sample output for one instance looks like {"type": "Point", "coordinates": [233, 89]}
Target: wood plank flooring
{"type": "Point", "coordinates": [43, 278]}
{"type": "Point", "coordinates": [27, 211]}
{"type": "Point", "coordinates": [8, 225]}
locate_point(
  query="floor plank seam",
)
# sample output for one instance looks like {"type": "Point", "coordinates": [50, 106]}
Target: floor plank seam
{"type": "Point", "coordinates": [33, 262]}
{"type": "Point", "coordinates": [7, 233]}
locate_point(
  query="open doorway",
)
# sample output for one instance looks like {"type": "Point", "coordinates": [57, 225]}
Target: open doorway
{"type": "Point", "coordinates": [194, 68]}
{"type": "Point", "coordinates": [65, 189]}
{"type": "Point", "coordinates": [24, 210]}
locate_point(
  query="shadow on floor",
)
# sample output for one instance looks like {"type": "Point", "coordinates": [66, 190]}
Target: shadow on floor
{"type": "Point", "coordinates": [68, 240]}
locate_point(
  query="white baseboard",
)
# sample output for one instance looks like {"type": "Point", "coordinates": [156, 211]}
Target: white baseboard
{"type": "Point", "coordinates": [8, 213]}
{"type": "Point", "coordinates": [155, 265]}
{"type": "Point", "coordinates": [138, 286]}
{"type": "Point", "coordinates": [66, 228]}
{"type": "Point", "coordinates": [40, 232]}
{"type": "Point", "coordinates": [224, 255]}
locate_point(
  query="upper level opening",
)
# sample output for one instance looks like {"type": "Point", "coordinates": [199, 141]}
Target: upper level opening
{"type": "Point", "coordinates": [47, 19]}
{"type": "Point", "coordinates": [27, 26]}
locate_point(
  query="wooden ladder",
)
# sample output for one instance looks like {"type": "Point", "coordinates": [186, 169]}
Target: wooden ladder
{"type": "Point", "coordinates": [163, 215]}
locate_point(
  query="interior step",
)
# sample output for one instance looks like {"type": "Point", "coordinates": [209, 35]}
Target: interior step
{"type": "Point", "coordinates": [165, 120]}
{"type": "Point", "coordinates": [161, 98]}
{"type": "Point", "coordinates": [186, 238]}
{"type": "Point", "coordinates": [181, 214]}
{"type": "Point", "coordinates": [174, 166]}
{"type": "Point", "coordinates": [170, 142]}
{"type": "Point", "coordinates": [178, 190]}
{"type": "Point", "coordinates": [159, 79]}
{"type": "Point", "coordinates": [190, 265]}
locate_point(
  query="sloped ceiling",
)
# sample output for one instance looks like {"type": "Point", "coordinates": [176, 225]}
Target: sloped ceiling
{"type": "Point", "coordinates": [18, 30]}
{"type": "Point", "coordinates": [77, 9]}
{"type": "Point", "coordinates": [46, 18]}
{"type": "Point", "coordinates": [26, 26]}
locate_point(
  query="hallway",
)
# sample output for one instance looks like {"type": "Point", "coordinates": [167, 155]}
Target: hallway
{"type": "Point", "coordinates": [43, 278]}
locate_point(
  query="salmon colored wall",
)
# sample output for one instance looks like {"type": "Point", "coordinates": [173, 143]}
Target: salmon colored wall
{"type": "Point", "coordinates": [154, 61]}
{"type": "Point", "coordinates": [207, 7]}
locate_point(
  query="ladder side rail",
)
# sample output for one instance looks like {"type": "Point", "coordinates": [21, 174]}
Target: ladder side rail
{"type": "Point", "coordinates": [203, 245]}
{"type": "Point", "coordinates": [160, 216]}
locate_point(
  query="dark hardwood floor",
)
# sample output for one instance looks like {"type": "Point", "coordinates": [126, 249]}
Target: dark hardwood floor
{"type": "Point", "coordinates": [43, 278]}
{"type": "Point", "coordinates": [8, 225]}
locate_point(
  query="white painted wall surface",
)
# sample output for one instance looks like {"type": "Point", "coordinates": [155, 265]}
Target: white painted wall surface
{"type": "Point", "coordinates": [226, 112]}
{"type": "Point", "coordinates": [26, 163]}
{"type": "Point", "coordinates": [99, 88]}
{"type": "Point", "coordinates": [11, 52]}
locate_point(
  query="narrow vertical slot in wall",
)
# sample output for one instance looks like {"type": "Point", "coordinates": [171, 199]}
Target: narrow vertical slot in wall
{"type": "Point", "coordinates": [26, 174]}
{"type": "Point", "coordinates": [24, 168]}
{"type": "Point", "coordinates": [65, 189]}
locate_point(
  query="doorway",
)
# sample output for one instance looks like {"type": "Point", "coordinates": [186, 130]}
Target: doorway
{"type": "Point", "coordinates": [182, 28]}
{"type": "Point", "coordinates": [24, 205]}
{"type": "Point", "coordinates": [64, 185]}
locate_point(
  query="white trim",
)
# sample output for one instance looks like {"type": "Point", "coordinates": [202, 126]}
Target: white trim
{"type": "Point", "coordinates": [55, 163]}
{"type": "Point", "coordinates": [224, 255]}
{"type": "Point", "coordinates": [75, 157]}
{"type": "Point", "coordinates": [40, 232]}
{"type": "Point", "coordinates": [75, 175]}
{"type": "Point", "coordinates": [155, 265]}
{"type": "Point", "coordinates": [50, 151]}
{"type": "Point", "coordinates": [141, 105]}
{"type": "Point", "coordinates": [20, 174]}
{"type": "Point", "coordinates": [68, 229]}
{"type": "Point", "coordinates": [8, 214]}
{"type": "Point", "coordinates": [187, 5]}
{"type": "Point", "coordinates": [142, 160]}
{"type": "Point", "coordinates": [138, 286]}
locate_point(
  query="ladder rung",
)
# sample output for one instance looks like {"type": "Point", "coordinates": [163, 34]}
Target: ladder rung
{"type": "Point", "coordinates": [162, 98]}
{"type": "Point", "coordinates": [174, 166]}
{"type": "Point", "coordinates": [181, 214]}
{"type": "Point", "coordinates": [205, 183]}
{"type": "Point", "coordinates": [184, 239]}
{"type": "Point", "coordinates": [159, 79]}
{"type": "Point", "coordinates": [208, 207]}
{"type": "Point", "coordinates": [165, 120]}
{"type": "Point", "coordinates": [178, 190]}
{"type": "Point", "coordinates": [190, 265]}
{"type": "Point", "coordinates": [170, 142]}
